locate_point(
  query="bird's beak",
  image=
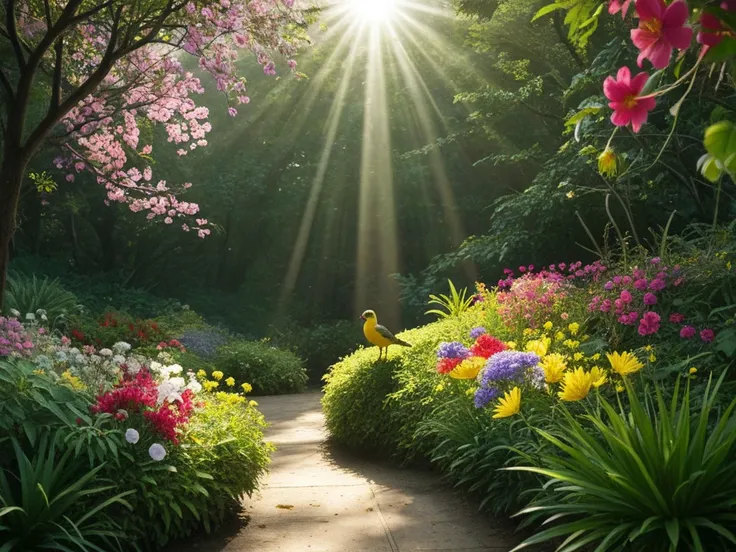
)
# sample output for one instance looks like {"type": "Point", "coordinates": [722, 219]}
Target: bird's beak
{"type": "Point", "coordinates": [362, 317]}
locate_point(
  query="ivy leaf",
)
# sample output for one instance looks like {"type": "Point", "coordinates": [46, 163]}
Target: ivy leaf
{"type": "Point", "coordinates": [720, 142]}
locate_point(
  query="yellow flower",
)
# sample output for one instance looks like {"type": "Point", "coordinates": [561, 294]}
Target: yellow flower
{"type": "Point", "coordinates": [574, 327]}
{"type": "Point", "coordinates": [528, 331]}
{"type": "Point", "coordinates": [586, 337]}
{"type": "Point", "coordinates": [247, 387]}
{"type": "Point", "coordinates": [652, 358]}
{"type": "Point", "coordinates": [253, 403]}
{"type": "Point", "coordinates": [40, 372]}
{"type": "Point", "coordinates": [624, 363]}
{"type": "Point", "coordinates": [73, 381]}
{"type": "Point", "coordinates": [468, 368]}
{"type": "Point", "coordinates": [576, 385]}
{"type": "Point", "coordinates": [218, 375]}
{"type": "Point", "coordinates": [538, 346]}
{"type": "Point", "coordinates": [470, 392]}
{"type": "Point", "coordinates": [230, 382]}
{"type": "Point", "coordinates": [620, 388]}
{"type": "Point", "coordinates": [607, 163]}
{"type": "Point", "coordinates": [599, 376]}
{"type": "Point", "coordinates": [693, 370]}
{"type": "Point", "coordinates": [578, 356]}
{"type": "Point", "coordinates": [554, 367]}
{"type": "Point", "coordinates": [209, 385]}
{"type": "Point", "coordinates": [201, 374]}
{"type": "Point", "coordinates": [439, 387]}
{"type": "Point", "coordinates": [511, 345]}
{"type": "Point", "coordinates": [648, 348]}
{"type": "Point", "coordinates": [509, 404]}
{"type": "Point", "coordinates": [596, 357]}
{"type": "Point", "coordinates": [559, 336]}
{"type": "Point", "coordinates": [548, 325]}
{"type": "Point", "coordinates": [572, 344]}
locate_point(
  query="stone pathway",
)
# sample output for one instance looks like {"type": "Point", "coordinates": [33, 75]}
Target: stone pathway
{"type": "Point", "coordinates": [318, 500]}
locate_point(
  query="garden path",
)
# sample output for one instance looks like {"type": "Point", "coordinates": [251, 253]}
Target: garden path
{"type": "Point", "coordinates": [321, 500]}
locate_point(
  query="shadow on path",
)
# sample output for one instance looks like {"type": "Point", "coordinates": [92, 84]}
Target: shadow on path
{"type": "Point", "coordinates": [318, 498]}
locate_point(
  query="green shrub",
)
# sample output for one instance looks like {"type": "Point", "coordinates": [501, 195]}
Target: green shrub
{"type": "Point", "coordinates": [321, 346]}
{"type": "Point", "coordinates": [29, 295]}
{"type": "Point", "coordinates": [651, 477]}
{"type": "Point", "coordinates": [269, 370]}
{"type": "Point", "coordinates": [378, 406]}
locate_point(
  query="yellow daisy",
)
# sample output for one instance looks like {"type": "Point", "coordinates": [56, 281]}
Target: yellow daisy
{"type": "Point", "coordinates": [574, 328]}
{"type": "Point", "coordinates": [247, 387]}
{"type": "Point", "coordinates": [218, 375]}
{"type": "Point", "coordinates": [468, 368]}
{"type": "Point", "coordinates": [230, 382]}
{"type": "Point", "coordinates": [554, 367]}
{"type": "Point", "coordinates": [509, 404]}
{"type": "Point", "coordinates": [576, 385]}
{"type": "Point", "coordinates": [624, 363]}
{"type": "Point", "coordinates": [548, 325]}
{"type": "Point", "coordinates": [599, 376]}
{"type": "Point", "coordinates": [538, 346]}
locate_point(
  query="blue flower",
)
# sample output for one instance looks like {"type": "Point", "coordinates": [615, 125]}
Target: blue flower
{"type": "Point", "coordinates": [475, 333]}
{"type": "Point", "coordinates": [453, 349]}
{"type": "Point", "coordinates": [508, 366]}
{"type": "Point", "coordinates": [484, 395]}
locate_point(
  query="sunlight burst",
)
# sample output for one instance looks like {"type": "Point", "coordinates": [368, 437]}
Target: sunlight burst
{"type": "Point", "coordinates": [373, 11]}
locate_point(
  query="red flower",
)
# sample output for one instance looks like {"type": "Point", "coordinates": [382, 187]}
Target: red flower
{"type": "Point", "coordinates": [707, 335]}
{"type": "Point", "coordinates": [447, 365]}
{"type": "Point", "coordinates": [623, 93]}
{"type": "Point", "coordinates": [78, 335]}
{"type": "Point", "coordinates": [661, 28]}
{"type": "Point", "coordinates": [486, 346]}
{"type": "Point", "coordinates": [677, 318]}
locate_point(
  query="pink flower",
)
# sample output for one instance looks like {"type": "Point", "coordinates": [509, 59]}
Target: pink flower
{"type": "Point", "coordinates": [626, 296]}
{"type": "Point", "coordinates": [641, 284]}
{"type": "Point", "coordinates": [232, 111]}
{"type": "Point", "coordinates": [707, 335]}
{"type": "Point", "coordinates": [657, 285]}
{"type": "Point", "coordinates": [615, 6]}
{"type": "Point", "coordinates": [623, 93]}
{"type": "Point", "coordinates": [649, 323]}
{"type": "Point", "coordinates": [661, 28]}
{"type": "Point", "coordinates": [606, 305]}
{"type": "Point", "coordinates": [677, 318]}
{"type": "Point", "coordinates": [687, 332]}
{"type": "Point", "coordinates": [650, 299]}
{"type": "Point", "coordinates": [712, 30]}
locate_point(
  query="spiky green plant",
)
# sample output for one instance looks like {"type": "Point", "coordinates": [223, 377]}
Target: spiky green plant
{"type": "Point", "coordinates": [29, 295]}
{"type": "Point", "coordinates": [653, 477]}
{"type": "Point", "coordinates": [454, 304]}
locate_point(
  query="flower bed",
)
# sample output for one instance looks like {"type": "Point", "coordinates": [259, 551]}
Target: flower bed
{"type": "Point", "coordinates": [552, 361]}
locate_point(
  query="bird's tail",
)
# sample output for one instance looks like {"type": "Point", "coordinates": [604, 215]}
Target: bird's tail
{"type": "Point", "coordinates": [402, 343]}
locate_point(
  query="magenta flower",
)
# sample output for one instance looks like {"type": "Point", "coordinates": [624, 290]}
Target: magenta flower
{"type": "Point", "coordinates": [606, 305]}
{"type": "Point", "coordinates": [641, 284]}
{"type": "Point", "coordinates": [608, 285]}
{"type": "Point", "coordinates": [649, 323]}
{"type": "Point", "coordinates": [707, 335]}
{"type": "Point", "coordinates": [615, 6]}
{"type": "Point", "coordinates": [623, 93]}
{"type": "Point", "coordinates": [661, 29]}
{"type": "Point", "coordinates": [687, 332]}
{"type": "Point", "coordinates": [626, 296]}
{"type": "Point", "coordinates": [677, 318]}
{"type": "Point", "coordinates": [650, 299]}
{"type": "Point", "coordinates": [712, 30]}
{"type": "Point", "coordinates": [657, 285]}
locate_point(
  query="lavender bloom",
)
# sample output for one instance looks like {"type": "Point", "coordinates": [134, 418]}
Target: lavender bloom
{"type": "Point", "coordinates": [484, 395]}
{"type": "Point", "coordinates": [508, 365]}
{"type": "Point", "coordinates": [475, 333]}
{"type": "Point", "coordinates": [453, 349]}
{"type": "Point", "coordinates": [536, 377]}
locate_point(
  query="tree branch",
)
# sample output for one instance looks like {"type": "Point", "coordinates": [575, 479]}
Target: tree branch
{"type": "Point", "coordinates": [12, 30]}
{"type": "Point", "coordinates": [56, 81]}
{"type": "Point", "coordinates": [7, 86]}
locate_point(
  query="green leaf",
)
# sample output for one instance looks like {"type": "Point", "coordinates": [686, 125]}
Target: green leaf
{"type": "Point", "coordinates": [720, 142]}
{"type": "Point", "coordinates": [549, 8]}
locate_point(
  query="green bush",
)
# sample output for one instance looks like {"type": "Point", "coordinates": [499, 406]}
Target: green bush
{"type": "Point", "coordinates": [654, 476]}
{"type": "Point", "coordinates": [378, 406]}
{"type": "Point", "coordinates": [29, 295]}
{"type": "Point", "coordinates": [271, 371]}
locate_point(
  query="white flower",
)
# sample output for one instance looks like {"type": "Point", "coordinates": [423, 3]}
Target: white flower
{"type": "Point", "coordinates": [157, 452]}
{"type": "Point", "coordinates": [30, 316]}
{"type": "Point", "coordinates": [156, 366]}
{"type": "Point", "coordinates": [133, 366]}
{"type": "Point", "coordinates": [118, 359]}
{"type": "Point", "coordinates": [74, 351]}
{"type": "Point", "coordinates": [44, 317]}
{"type": "Point", "coordinates": [174, 369]}
{"type": "Point", "coordinates": [170, 390]}
{"type": "Point", "coordinates": [132, 436]}
{"type": "Point", "coordinates": [194, 386]}
{"type": "Point", "coordinates": [14, 313]}
{"type": "Point", "coordinates": [121, 347]}
{"type": "Point", "coordinates": [106, 352]}
{"type": "Point", "coordinates": [61, 356]}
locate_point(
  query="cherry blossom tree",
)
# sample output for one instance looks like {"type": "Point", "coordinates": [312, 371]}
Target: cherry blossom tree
{"type": "Point", "coordinates": [105, 67]}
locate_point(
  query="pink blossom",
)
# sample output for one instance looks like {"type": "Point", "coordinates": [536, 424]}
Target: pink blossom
{"type": "Point", "coordinates": [657, 284]}
{"type": "Point", "coordinates": [626, 296]}
{"type": "Point", "coordinates": [147, 150]}
{"type": "Point", "coordinates": [707, 335]}
{"type": "Point", "coordinates": [687, 332]}
{"type": "Point", "coordinates": [641, 284]}
{"type": "Point", "coordinates": [292, 64]}
{"type": "Point", "coordinates": [677, 318]}
{"type": "Point", "coordinates": [623, 93]}
{"type": "Point", "coordinates": [615, 6]}
{"type": "Point", "coordinates": [649, 323]}
{"type": "Point", "coordinates": [661, 29]}
{"type": "Point", "coordinates": [650, 299]}
{"type": "Point", "coordinates": [606, 305]}
{"type": "Point", "coordinates": [232, 111]}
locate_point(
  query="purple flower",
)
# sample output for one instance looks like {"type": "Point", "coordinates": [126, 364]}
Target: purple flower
{"type": "Point", "coordinates": [626, 280]}
{"type": "Point", "coordinates": [508, 365]}
{"type": "Point", "coordinates": [475, 333]}
{"type": "Point", "coordinates": [617, 280]}
{"type": "Point", "coordinates": [650, 299]}
{"type": "Point", "coordinates": [478, 298]}
{"type": "Point", "coordinates": [655, 261]}
{"type": "Point", "coordinates": [641, 284]}
{"type": "Point", "coordinates": [707, 335]}
{"type": "Point", "coordinates": [649, 323]}
{"type": "Point", "coordinates": [657, 284]}
{"type": "Point", "coordinates": [687, 332]}
{"type": "Point", "coordinates": [626, 296]}
{"type": "Point", "coordinates": [606, 305]}
{"type": "Point", "coordinates": [453, 349]}
{"type": "Point", "coordinates": [484, 395]}
{"type": "Point", "coordinates": [608, 285]}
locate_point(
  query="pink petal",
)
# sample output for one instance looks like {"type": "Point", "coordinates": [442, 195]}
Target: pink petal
{"type": "Point", "coordinates": [615, 91]}
{"type": "Point", "coordinates": [625, 8]}
{"type": "Point", "coordinates": [642, 38]}
{"type": "Point", "coordinates": [624, 75]}
{"type": "Point", "coordinates": [638, 118]}
{"type": "Point", "coordinates": [614, 7]}
{"type": "Point", "coordinates": [679, 37]}
{"type": "Point", "coordinates": [641, 57]}
{"type": "Point", "coordinates": [659, 54]}
{"type": "Point", "coordinates": [708, 39]}
{"type": "Point", "coordinates": [650, 9]}
{"type": "Point", "coordinates": [638, 82]}
{"type": "Point", "coordinates": [676, 14]}
{"type": "Point", "coordinates": [647, 103]}
{"type": "Point", "coordinates": [621, 118]}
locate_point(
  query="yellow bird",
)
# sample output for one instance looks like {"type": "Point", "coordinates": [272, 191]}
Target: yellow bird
{"type": "Point", "coordinates": [378, 335]}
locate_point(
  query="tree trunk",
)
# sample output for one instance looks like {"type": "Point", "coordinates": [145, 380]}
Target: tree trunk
{"type": "Point", "coordinates": [11, 177]}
